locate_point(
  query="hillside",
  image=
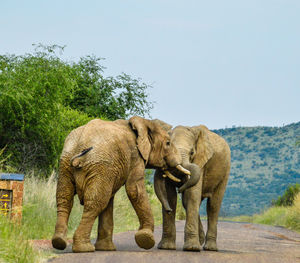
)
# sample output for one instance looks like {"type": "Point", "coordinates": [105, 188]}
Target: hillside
{"type": "Point", "coordinates": [265, 160]}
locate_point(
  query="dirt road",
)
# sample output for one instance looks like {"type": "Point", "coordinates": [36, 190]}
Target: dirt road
{"type": "Point", "coordinates": [237, 242]}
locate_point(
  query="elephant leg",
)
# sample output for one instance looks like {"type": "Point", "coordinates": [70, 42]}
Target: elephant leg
{"type": "Point", "coordinates": [105, 228]}
{"type": "Point", "coordinates": [168, 240]}
{"type": "Point", "coordinates": [64, 199]}
{"type": "Point", "coordinates": [192, 200]}
{"type": "Point", "coordinates": [136, 191]}
{"type": "Point", "coordinates": [213, 207]}
{"type": "Point", "coordinates": [95, 201]}
{"type": "Point", "coordinates": [201, 231]}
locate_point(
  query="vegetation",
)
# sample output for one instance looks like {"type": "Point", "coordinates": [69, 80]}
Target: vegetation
{"type": "Point", "coordinates": [286, 216]}
{"type": "Point", "coordinates": [14, 246]}
{"type": "Point", "coordinates": [287, 199]}
{"type": "Point", "coordinates": [265, 161]}
{"type": "Point", "coordinates": [43, 97]}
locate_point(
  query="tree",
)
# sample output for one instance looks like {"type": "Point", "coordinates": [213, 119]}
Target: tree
{"type": "Point", "coordinates": [111, 97]}
{"type": "Point", "coordinates": [43, 97]}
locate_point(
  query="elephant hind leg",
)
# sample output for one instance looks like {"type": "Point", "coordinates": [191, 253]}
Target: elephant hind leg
{"type": "Point", "coordinates": [105, 229]}
{"type": "Point", "coordinates": [64, 198]}
{"type": "Point", "coordinates": [95, 201]}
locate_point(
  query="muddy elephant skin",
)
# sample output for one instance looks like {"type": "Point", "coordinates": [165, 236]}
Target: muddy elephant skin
{"type": "Point", "coordinates": [97, 159]}
{"type": "Point", "coordinates": [207, 156]}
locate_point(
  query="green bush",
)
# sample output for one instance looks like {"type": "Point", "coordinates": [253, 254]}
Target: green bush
{"type": "Point", "coordinates": [42, 98]}
{"type": "Point", "coordinates": [288, 196]}
{"type": "Point", "coordinates": [33, 115]}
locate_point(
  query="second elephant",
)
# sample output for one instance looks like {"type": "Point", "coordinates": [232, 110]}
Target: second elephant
{"type": "Point", "coordinates": [207, 156]}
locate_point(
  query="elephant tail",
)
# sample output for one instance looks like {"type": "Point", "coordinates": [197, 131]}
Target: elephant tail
{"type": "Point", "coordinates": [76, 161]}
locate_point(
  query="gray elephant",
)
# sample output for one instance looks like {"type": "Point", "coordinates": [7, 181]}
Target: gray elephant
{"type": "Point", "coordinates": [97, 159]}
{"type": "Point", "coordinates": [207, 156]}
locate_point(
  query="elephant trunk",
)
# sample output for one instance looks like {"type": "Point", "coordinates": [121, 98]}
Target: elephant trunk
{"type": "Point", "coordinates": [161, 191]}
{"type": "Point", "coordinates": [194, 178]}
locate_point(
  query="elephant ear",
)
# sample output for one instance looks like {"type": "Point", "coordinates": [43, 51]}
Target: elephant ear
{"type": "Point", "coordinates": [141, 126]}
{"type": "Point", "coordinates": [204, 149]}
{"type": "Point", "coordinates": [167, 127]}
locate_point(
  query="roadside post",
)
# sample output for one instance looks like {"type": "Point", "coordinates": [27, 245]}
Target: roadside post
{"type": "Point", "coordinates": [11, 195]}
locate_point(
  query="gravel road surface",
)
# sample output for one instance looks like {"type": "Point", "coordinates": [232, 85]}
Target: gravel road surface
{"type": "Point", "coordinates": [237, 242]}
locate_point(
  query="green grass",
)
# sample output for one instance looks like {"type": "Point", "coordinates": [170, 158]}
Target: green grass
{"type": "Point", "coordinates": [14, 246]}
{"type": "Point", "coordinates": [286, 216]}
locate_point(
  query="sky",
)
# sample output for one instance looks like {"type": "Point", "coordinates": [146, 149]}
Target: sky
{"type": "Point", "coordinates": [218, 63]}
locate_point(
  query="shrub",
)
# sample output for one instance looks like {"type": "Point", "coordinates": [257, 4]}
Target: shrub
{"type": "Point", "coordinates": [42, 98]}
{"type": "Point", "coordinates": [288, 196]}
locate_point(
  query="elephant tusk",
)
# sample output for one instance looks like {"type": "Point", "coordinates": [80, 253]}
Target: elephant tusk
{"type": "Point", "coordinates": [171, 176]}
{"type": "Point", "coordinates": [181, 169]}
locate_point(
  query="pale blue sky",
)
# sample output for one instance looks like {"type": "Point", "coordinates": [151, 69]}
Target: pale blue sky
{"type": "Point", "coordinates": [218, 63]}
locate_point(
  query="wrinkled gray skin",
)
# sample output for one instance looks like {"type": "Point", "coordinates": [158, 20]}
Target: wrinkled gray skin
{"type": "Point", "coordinates": [207, 156]}
{"type": "Point", "coordinates": [97, 159]}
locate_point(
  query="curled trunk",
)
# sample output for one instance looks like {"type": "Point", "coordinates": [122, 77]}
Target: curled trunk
{"type": "Point", "coordinates": [195, 176]}
{"type": "Point", "coordinates": [160, 187]}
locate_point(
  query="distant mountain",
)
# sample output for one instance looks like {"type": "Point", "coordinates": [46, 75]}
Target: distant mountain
{"type": "Point", "coordinates": [264, 161]}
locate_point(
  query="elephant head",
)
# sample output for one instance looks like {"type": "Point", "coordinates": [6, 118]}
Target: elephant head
{"type": "Point", "coordinates": [195, 150]}
{"type": "Point", "coordinates": [154, 145]}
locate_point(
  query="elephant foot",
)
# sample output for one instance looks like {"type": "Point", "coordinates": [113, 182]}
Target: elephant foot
{"type": "Point", "coordinates": [201, 238]}
{"type": "Point", "coordinates": [145, 239]}
{"type": "Point", "coordinates": [104, 245]}
{"type": "Point", "coordinates": [167, 244]}
{"type": "Point", "coordinates": [59, 241]}
{"type": "Point", "coordinates": [83, 247]}
{"type": "Point", "coordinates": [210, 245]}
{"type": "Point", "coordinates": [192, 245]}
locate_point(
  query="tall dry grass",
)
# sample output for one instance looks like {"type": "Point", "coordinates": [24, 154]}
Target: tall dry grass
{"type": "Point", "coordinates": [39, 212]}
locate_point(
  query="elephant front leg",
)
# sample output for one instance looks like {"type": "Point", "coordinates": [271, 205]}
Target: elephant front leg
{"type": "Point", "coordinates": [105, 229]}
{"type": "Point", "coordinates": [168, 240]}
{"type": "Point", "coordinates": [64, 199]}
{"type": "Point", "coordinates": [136, 191]}
{"type": "Point", "coordinates": [192, 200]}
{"type": "Point", "coordinates": [213, 207]}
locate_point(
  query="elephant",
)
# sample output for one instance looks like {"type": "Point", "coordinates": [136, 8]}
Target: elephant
{"type": "Point", "coordinates": [97, 159]}
{"type": "Point", "coordinates": [207, 156]}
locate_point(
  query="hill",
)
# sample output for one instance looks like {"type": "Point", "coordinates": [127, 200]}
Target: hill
{"type": "Point", "coordinates": [265, 160]}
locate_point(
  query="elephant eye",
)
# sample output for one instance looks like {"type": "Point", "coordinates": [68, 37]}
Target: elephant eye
{"type": "Point", "coordinates": [192, 152]}
{"type": "Point", "coordinates": [168, 143]}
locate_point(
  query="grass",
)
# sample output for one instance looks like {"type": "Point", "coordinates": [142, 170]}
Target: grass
{"type": "Point", "coordinates": [286, 216]}
{"type": "Point", "coordinates": [14, 246]}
